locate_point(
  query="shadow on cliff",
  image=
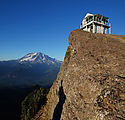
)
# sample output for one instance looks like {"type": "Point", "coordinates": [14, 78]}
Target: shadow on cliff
{"type": "Point", "coordinates": [59, 106]}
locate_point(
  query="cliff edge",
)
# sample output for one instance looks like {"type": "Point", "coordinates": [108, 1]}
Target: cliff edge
{"type": "Point", "coordinates": [91, 82]}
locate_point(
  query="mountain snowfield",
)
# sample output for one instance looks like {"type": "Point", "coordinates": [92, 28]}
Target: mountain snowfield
{"type": "Point", "coordinates": [38, 58]}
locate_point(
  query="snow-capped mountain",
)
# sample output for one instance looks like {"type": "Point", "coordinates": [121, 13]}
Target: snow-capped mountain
{"type": "Point", "coordinates": [33, 68]}
{"type": "Point", "coordinates": [38, 58]}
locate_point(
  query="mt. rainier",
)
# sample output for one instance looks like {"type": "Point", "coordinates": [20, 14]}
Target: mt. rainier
{"type": "Point", "coordinates": [38, 58]}
{"type": "Point", "coordinates": [33, 68]}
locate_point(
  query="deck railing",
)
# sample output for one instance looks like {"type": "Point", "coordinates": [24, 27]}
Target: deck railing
{"type": "Point", "coordinates": [102, 22]}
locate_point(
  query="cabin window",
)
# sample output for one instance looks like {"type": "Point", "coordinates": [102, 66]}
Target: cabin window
{"type": "Point", "coordinates": [98, 19]}
{"type": "Point", "coordinates": [92, 18]}
{"type": "Point", "coordinates": [104, 21]}
{"type": "Point", "coordinates": [91, 27]}
{"type": "Point", "coordinates": [87, 20]}
{"type": "Point", "coordinates": [95, 18]}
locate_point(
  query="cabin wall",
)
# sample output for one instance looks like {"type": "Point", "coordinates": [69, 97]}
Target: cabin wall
{"type": "Point", "coordinates": [94, 28]}
{"type": "Point", "coordinates": [89, 28]}
{"type": "Point", "coordinates": [100, 24]}
{"type": "Point", "coordinates": [99, 29]}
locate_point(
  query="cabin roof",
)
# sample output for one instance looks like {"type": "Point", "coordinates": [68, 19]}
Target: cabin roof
{"type": "Point", "coordinates": [101, 16]}
{"type": "Point", "coordinates": [89, 14]}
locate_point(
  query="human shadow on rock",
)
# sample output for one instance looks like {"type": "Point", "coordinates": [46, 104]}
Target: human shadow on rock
{"type": "Point", "coordinates": [59, 106]}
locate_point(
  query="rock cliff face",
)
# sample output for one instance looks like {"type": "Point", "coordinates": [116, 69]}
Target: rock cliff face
{"type": "Point", "coordinates": [91, 81]}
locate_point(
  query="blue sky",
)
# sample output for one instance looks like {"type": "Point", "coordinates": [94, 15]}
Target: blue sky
{"type": "Point", "coordinates": [44, 25]}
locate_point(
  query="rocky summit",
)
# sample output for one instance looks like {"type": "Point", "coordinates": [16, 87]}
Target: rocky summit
{"type": "Point", "coordinates": [91, 81]}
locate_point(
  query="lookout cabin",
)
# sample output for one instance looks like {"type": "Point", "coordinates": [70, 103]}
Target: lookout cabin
{"type": "Point", "coordinates": [96, 24]}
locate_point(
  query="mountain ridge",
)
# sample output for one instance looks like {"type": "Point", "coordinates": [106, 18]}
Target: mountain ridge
{"type": "Point", "coordinates": [91, 82]}
{"type": "Point", "coordinates": [33, 68]}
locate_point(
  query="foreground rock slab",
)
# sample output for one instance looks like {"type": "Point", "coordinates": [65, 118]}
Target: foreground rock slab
{"type": "Point", "coordinates": [91, 81]}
